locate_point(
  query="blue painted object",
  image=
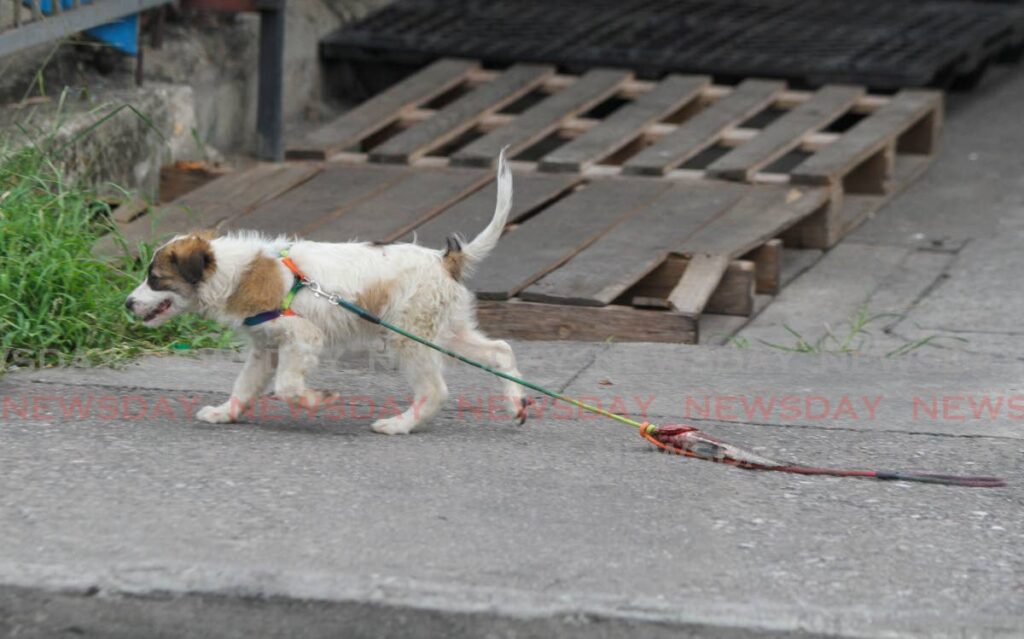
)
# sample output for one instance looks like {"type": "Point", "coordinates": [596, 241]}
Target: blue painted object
{"type": "Point", "coordinates": [121, 34]}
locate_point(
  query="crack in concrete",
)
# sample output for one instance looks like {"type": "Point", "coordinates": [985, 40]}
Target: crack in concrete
{"type": "Point", "coordinates": [937, 281]}
{"type": "Point", "coordinates": [587, 366]}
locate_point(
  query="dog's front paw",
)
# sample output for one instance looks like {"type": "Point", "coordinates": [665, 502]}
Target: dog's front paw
{"type": "Point", "coordinates": [216, 414]}
{"type": "Point", "coordinates": [392, 426]}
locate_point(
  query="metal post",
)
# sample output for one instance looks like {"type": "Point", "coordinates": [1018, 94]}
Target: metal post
{"type": "Point", "coordinates": [269, 110]}
{"type": "Point", "coordinates": [139, 60]}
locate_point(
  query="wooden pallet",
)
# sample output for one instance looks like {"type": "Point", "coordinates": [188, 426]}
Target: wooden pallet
{"type": "Point", "coordinates": [627, 223]}
{"type": "Point", "coordinates": [864, 148]}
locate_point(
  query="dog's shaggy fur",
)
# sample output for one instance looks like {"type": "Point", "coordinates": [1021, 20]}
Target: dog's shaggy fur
{"type": "Point", "coordinates": [232, 277]}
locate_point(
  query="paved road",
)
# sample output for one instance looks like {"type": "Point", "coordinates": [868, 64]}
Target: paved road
{"type": "Point", "coordinates": [130, 512]}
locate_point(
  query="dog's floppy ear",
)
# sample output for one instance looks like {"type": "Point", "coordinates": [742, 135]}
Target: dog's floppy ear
{"type": "Point", "coordinates": [193, 258]}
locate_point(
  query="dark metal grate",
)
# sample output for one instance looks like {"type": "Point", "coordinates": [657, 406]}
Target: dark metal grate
{"type": "Point", "coordinates": [885, 45]}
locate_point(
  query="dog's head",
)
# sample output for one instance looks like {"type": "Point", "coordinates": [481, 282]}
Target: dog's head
{"type": "Point", "coordinates": [175, 275]}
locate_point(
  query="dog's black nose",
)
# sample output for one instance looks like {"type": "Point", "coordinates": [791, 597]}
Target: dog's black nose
{"type": "Point", "coordinates": [129, 303]}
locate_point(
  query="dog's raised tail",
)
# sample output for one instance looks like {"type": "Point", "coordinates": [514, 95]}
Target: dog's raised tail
{"type": "Point", "coordinates": [484, 243]}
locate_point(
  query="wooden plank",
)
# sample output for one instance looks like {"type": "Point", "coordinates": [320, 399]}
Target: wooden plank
{"type": "Point", "coordinates": [703, 129]}
{"type": "Point", "coordinates": [395, 211]}
{"type": "Point", "coordinates": [525, 320]}
{"type": "Point", "coordinates": [469, 216]}
{"type": "Point", "coordinates": [764, 213]}
{"type": "Point", "coordinates": [768, 261]}
{"type": "Point", "coordinates": [785, 133]}
{"type": "Point", "coordinates": [462, 114]}
{"type": "Point", "coordinates": [382, 109]}
{"type": "Point", "coordinates": [734, 294]}
{"type": "Point", "coordinates": [328, 194]}
{"type": "Point", "coordinates": [212, 204]}
{"type": "Point", "coordinates": [605, 269]}
{"type": "Point", "coordinates": [867, 137]}
{"type": "Point", "coordinates": [543, 118]}
{"type": "Point", "coordinates": [652, 291]}
{"type": "Point", "coordinates": [625, 124]}
{"type": "Point", "coordinates": [698, 284]}
{"type": "Point", "coordinates": [554, 235]}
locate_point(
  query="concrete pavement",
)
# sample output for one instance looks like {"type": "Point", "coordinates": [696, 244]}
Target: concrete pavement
{"type": "Point", "coordinates": [943, 258]}
{"type": "Point", "coordinates": [125, 513]}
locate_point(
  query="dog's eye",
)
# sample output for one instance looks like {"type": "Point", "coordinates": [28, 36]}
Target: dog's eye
{"type": "Point", "coordinates": [155, 282]}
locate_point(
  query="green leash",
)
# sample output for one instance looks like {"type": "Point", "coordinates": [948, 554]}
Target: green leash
{"type": "Point", "coordinates": [677, 439]}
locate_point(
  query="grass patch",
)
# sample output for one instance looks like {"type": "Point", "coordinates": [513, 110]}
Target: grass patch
{"type": "Point", "coordinates": [851, 340]}
{"type": "Point", "coordinates": [59, 304]}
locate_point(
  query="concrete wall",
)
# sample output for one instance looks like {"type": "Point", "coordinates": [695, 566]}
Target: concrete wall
{"type": "Point", "coordinates": [219, 63]}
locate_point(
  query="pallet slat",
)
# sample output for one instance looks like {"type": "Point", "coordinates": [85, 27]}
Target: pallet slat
{"type": "Point", "coordinates": [213, 204]}
{"type": "Point", "coordinates": [547, 240]}
{"type": "Point", "coordinates": [543, 118]}
{"type": "Point", "coordinates": [462, 114]}
{"type": "Point", "coordinates": [469, 216]}
{"type": "Point", "coordinates": [698, 284]}
{"type": "Point", "coordinates": [785, 134]}
{"type": "Point", "coordinates": [625, 124]}
{"type": "Point", "coordinates": [605, 269]}
{"type": "Point", "coordinates": [733, 296]}
{"type": "Point", "coordinates": [395, 211]}
{"type": "Point", "coordinates": [761, 215]}
{"type": "Point", "coordinates": [832, 163]}
{"type": "Point", "coordinates": [329, 193]}
{"type": "Point", "coordinates": [527, 320]}
{"type": "Point", "coordinates": [377, 112]}
{"type": "Point", "coordinates": [768, 260]}
{"type": "Point", "coordinates": [703, 129]}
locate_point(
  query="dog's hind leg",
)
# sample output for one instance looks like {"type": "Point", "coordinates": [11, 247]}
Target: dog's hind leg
{"type": "Point", "coordinates": [256, 372]}
{"type": "Point", "coordinates": [497, 354]}
{"type": "Point", "coordinates": [423, 369]}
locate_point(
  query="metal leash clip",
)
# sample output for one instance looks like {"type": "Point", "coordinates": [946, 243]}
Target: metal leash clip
{"type": "Point", "coordinates": [318, 291]}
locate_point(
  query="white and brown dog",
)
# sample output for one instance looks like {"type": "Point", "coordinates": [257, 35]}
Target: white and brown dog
{"type": "Point", "coordinates": [241, 275]}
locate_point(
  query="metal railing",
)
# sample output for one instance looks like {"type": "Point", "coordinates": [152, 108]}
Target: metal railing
{"type": "Point", "coordinates": [24, 25]}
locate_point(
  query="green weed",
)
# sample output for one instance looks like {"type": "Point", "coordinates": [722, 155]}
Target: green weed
{"type": "Point", "coordinates": [58, 303]}
{"type": "Point", "coordinates": [852, 340]}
